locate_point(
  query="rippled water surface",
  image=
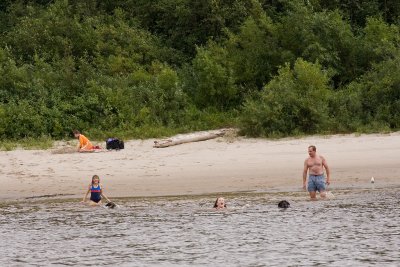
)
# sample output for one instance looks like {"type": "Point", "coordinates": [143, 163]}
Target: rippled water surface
{"type": "Point", "coordinates": [356, 228]}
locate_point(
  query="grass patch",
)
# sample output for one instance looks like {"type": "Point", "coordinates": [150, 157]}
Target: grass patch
{"type": "Point", "coordinates": [27, 143]}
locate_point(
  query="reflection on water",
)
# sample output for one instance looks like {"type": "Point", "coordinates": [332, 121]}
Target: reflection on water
{"type": "Point", "coordinates": [357, 228]}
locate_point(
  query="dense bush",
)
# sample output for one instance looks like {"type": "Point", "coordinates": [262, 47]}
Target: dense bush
{"type": "Point", "coordinates": [380, 94]}
{"type": "Point", "coordinates": [146, 68]}
{"type": "Point", "coordinates": [294, 102]}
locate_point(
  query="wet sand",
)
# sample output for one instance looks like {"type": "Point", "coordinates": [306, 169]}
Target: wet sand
{"type": "Point", "coordinates": [207, 167]}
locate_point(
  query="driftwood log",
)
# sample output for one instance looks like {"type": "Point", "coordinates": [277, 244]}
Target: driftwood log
{"type": "Point", "coordinates": [187, 138]}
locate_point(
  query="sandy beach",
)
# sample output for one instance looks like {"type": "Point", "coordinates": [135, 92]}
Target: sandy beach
{"type": "Point", "coordinates": [207, 167]}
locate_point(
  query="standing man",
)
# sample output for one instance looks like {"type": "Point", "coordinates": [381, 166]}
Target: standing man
{"type": "Point", "coordinates": [84, 143]}
{"type": "Point", "coordinates": [315, 165]}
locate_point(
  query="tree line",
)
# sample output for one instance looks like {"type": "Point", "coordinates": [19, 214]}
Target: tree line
{"type": "Point", "coordinates": [143, 68]}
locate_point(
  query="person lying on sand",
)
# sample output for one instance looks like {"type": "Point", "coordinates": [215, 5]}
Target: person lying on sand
{"type": "Point", "coordinates": [84, 144]}
{"type": "Point", "coordinates": [96, 192]}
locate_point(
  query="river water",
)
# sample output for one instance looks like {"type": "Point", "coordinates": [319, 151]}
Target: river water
{"type": "Point", "coordinates": [356, 228]}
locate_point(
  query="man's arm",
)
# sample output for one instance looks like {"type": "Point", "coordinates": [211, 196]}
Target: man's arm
{"type": "Point", "coordinates": [328, 172]}
{"type": "Point", "coordinates": [305, 174]}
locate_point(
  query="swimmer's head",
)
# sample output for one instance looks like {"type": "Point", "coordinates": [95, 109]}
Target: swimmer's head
{"type": "Point", "coordinates": [220, 203]}
{"type": "Point", "coordinates": [283, 204]}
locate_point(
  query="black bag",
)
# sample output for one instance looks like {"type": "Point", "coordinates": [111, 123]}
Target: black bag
{"type": "Point", "coordinates": [114, 143]}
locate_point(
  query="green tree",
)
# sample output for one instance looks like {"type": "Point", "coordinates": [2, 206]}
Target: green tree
{"type": "Point", "coordinates": [380, 41]}
{"type": "Point", "coordinates": [358, 11]}
{"type": "Point", "coordinates": [323, 37]}
{"type": "Point", "coordinates": [294, 102]}
{"type": "Point", "coordinates": [380, 94]}
{"type": "Point", "coordinates": [185, 24]}
{"type": "Point", "coordinates": [255, 52]}
{"type": "Point", "coordinates": [210, 80]}
{"type": "Point", "coordinates": [223, 73]}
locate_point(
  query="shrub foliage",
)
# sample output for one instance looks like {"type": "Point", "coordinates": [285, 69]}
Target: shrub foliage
{"type": "Point", "coordinates": [148, 68]}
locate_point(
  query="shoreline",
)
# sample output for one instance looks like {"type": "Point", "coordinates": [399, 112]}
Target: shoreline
{"type": "Point", "coordinates": [214, 166]}
{"type": "Point", "coordinates": [290, 195]}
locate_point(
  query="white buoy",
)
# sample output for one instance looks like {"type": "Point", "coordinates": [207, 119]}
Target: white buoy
{"type": "Point", "coordinates": [372, 180]}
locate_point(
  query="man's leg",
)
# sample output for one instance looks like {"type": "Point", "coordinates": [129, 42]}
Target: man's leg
{"type": "Point", "coordinates": [312, 188]}
{"type": "Point", "coordinates": [321, 187]}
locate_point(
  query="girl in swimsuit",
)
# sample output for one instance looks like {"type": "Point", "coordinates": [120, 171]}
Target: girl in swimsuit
{"type": "Point", "coordinates": [96, 192]}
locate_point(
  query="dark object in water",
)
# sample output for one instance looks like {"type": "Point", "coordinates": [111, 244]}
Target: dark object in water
{"type": "Point", "coordinates": [283, 204]}
{"type": "Point", "coordinates": [111, 205]}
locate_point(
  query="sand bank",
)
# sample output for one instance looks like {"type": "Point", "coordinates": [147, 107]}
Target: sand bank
{"type": "Point", "coordinates": [218, 165]}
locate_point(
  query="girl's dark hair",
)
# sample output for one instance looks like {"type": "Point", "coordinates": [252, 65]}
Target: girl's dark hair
{"type": "Point", "coordinates": [76, 132]}
{"type": "Point", "coordinates": [216, 203]}
{"type": "Point", "coordinates": [95, 176]}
